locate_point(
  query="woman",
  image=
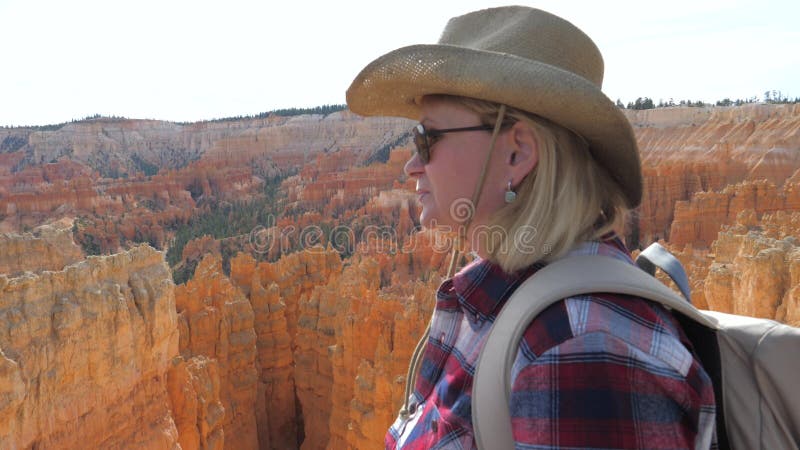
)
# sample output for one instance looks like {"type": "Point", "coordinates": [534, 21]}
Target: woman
{"type": "Point", "coordinates": [519, 150]}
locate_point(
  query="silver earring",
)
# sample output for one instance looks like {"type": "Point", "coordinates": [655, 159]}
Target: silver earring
{"type": "Point", "coordinates": [510, 195]}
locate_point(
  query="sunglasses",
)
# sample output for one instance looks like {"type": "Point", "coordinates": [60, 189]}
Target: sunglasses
{"type": "Point", "coordinates": [425, 139]}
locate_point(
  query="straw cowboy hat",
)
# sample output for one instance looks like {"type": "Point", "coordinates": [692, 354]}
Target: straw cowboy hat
{"type": "Point", "coordinates": [521, 57]}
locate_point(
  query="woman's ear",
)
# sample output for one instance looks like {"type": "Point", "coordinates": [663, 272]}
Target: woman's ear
{"type": "Point", "coordinates": [524, 153]}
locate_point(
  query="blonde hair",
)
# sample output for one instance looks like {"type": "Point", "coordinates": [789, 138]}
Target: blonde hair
{"type": "Point", "coordinates": [566, 199]}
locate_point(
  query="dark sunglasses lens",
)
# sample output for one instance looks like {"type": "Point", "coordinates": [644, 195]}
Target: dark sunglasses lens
{"type": "Point", "coordinates": [421, 142]}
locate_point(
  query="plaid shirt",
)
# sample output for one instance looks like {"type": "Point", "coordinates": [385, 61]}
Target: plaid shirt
{"type": "Point", "coordinates": [599, 371]}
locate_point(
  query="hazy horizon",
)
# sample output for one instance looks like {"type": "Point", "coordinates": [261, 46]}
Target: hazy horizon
{"type": "Point", "coordinates": [196, 61]}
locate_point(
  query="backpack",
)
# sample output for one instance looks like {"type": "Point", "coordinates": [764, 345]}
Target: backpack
{"type": "Point", "coordinates": [753, 363]}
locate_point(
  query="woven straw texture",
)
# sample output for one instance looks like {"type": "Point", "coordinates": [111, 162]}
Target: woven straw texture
{"type": "Point", "coordinates": [522, 57]}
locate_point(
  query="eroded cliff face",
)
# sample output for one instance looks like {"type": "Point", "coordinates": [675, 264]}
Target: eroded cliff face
{"type": "Point", "coordinates": [309, 350]}
{"type": "Point", "coordinates": [698, 220]}
{"type": "Point", "coordinates": [85, 353]}
{"type": "Point", "coordinates": [216, 323]}
{"type": "Point", "coordinates": [689, 150]}
{"type": "Point", "coordinates": [48, 247]}
{"type": "Point", "coordinates": [333, 346]}
{"type": "Point", "coordinates": [750, 268]}
{"type": "Point", "coordinates": [194, 398]}
{"type": "Point", "coordinates": [331, 350]}
{"type": "Point", "coordinates": [114, 173]}
{"type": "Point", "coordinates": [288, 365]}
{"type": "Point", "coordinates": [304, 350]}
{"type": "Point", "coordinates": [295, 141]}
{"type": "Point", "coordinates": [376, 331]}
{"type": "Point", "coordinates": [113, 147]}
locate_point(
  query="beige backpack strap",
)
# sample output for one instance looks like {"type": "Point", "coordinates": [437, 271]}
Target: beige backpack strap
{"type": "Point", "coordinates": [561, 279]}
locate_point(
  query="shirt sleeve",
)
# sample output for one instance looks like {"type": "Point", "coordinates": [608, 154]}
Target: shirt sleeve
{"type": "Point", "coordinates": [597, 391]}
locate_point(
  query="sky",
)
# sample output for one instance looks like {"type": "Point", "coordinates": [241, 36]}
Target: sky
{"type": "Point", "coordinates": [194, 60]}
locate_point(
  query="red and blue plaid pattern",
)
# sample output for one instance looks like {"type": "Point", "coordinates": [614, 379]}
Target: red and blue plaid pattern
{"type": "Point", "coordinates": [599, 371]}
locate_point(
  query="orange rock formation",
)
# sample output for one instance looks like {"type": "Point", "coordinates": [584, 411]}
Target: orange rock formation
{"type": "Point", "coordinates": [688, 150]}
{"type": "Point", "coordinates": [291, 359]}
{"type": "Point", "coordinates": [216, 323]}
{"type": "Point", "coordinates": [332, 346]}
{"type": "Point", "coordinates": [698, 220]}
{"type": "Point", "coordinates": [310, 350]}
{"type": "Point", "coordinates": [750, 268]}
{"type": "Point", "coordinates": [84, 355]}
{"type": "Point", "coordinates": [48, 247]}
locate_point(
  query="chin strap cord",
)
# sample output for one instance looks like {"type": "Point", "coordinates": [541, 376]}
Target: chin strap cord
{"type": "Point", "coordinates": [416, 357]}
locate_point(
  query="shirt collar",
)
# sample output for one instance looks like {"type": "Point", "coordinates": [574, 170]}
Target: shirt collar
{"type": "Point", "coordinates": [481, 287]}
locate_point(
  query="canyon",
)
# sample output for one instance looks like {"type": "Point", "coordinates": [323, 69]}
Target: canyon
{"type": "Point", "coordinates": [293, 328]}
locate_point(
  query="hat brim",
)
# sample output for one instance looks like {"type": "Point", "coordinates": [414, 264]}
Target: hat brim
{"type": "Point", "coordinates": [393, 84]}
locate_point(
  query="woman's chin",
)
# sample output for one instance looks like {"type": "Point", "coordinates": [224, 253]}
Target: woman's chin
{"type": "Point", "coordinates": [426, 221]}
{"type": "Point", "coordinates": [431, 222]}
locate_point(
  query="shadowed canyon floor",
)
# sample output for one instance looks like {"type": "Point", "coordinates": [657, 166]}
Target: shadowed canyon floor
{"type": "Point", "coordinates": [302, 280]}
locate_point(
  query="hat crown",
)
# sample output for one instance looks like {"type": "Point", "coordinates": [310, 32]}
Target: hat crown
{"type": "Point", "coordinates": [528, 33]}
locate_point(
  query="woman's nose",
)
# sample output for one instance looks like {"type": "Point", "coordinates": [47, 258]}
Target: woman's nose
{"type": "Point", "coordinates": [414, 166]}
